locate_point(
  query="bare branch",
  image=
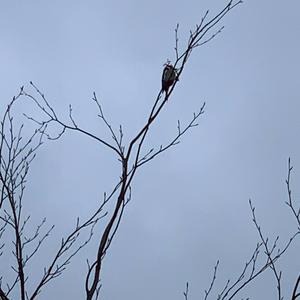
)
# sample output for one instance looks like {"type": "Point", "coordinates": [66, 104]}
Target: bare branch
{"type": "Point", "coordinates": [295, 295]}
{"type": "Point", "coordinates": [108, 125]}
{"type": "Point", "coordinates": [186, 292]}
{"type": "Point", "coordinates": [207, 292]}
{"type": "Point", "coordinates": [290, 202]}
{"type": "Point", "coordinates": [268, 251]}
{"type": "Point", "coordinates": [50, 113]}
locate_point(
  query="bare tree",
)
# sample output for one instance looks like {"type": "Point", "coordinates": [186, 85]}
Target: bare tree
{"type": "Point", "coordinates": [256, 264]}
{"type": "Point", "coordinates": [16, 156]}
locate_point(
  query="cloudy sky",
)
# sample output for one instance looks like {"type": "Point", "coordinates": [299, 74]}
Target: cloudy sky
{"type": "Point", "coordinates": [189, 207]}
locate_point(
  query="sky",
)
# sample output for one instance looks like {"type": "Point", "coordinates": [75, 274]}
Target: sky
{"type": "Point", "coordinates": [189, 206]}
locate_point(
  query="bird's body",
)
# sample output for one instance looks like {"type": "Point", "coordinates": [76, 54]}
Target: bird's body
{"type": "Point", "coordinates": [168, 77]}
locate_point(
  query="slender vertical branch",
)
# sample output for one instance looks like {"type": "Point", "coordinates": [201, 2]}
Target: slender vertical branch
{"type": "Point", "coordinates": [186, 292]}
{"type": "Point", "coordinates": [290, 203]}
{"type": "Point", "coordinates": [296, 294]}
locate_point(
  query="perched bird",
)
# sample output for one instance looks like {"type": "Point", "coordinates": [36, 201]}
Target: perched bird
{"type": "Point", "coordinates": [168, 77]}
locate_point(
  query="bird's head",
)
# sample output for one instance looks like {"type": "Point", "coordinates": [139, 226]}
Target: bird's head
{"type": "Point", "coordinates": [168, 65]}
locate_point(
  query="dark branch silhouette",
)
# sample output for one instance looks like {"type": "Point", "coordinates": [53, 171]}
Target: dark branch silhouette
{"type": "Point", "coordinates": [264, 248]}
{"type": "Point", "coordinates": [131, 156]}
{"type": "Point", "coordinates": [18, 153]}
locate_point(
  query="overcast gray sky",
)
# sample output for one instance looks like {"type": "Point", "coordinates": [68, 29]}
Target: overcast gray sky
{"type": "Point", "coordinates": [190, 206]}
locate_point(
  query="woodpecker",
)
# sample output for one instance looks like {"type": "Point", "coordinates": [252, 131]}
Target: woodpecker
{"type": "Point", "coordinates": [168, 77]}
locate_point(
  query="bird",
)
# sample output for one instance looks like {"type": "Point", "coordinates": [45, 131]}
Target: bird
{"type": "Point", "coordinates": [168, 77]}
